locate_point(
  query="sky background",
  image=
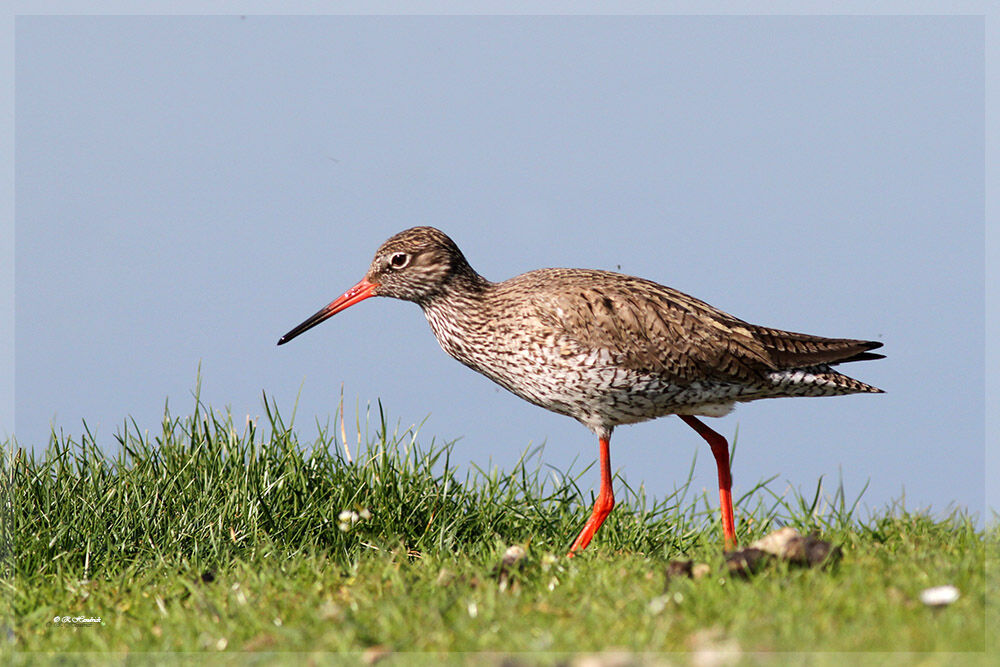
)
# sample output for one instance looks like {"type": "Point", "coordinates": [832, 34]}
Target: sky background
{"type": "Point", "coordinates": [188, 188]}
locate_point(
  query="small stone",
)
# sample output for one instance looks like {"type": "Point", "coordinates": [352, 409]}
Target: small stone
{"type": "Point", "coordinates": [820, 552]}
{"type": "Point", "coordinates": [784, 543]}
{"type": "Point", "coordinates": [939, 596]}
{"type": "Point", "coordinates": [746, 561]}
{"type": "Point", "coordinates": [701, 570]}
{"type": "Point", "coordinates": [680, 568]}
{"type": "Point", "coordinates": [787, 544]}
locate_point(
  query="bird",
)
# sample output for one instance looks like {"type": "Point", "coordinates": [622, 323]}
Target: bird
{"type": "Point", "coordinates": [605, 348]}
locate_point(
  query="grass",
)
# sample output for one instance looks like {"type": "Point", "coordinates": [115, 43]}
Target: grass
{"type": "Point", "coordinates": [216, 538]}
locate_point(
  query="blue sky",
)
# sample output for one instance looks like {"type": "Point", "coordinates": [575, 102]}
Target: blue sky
{"type": "Point", "coordinates": [188, 188]}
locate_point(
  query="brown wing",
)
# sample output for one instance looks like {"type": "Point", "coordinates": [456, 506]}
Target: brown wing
{"type": "Point", "coordinates": [654, 328]}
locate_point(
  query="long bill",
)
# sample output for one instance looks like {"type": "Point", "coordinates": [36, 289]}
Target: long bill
{"type": "Point", "coordinates": [359, 292]}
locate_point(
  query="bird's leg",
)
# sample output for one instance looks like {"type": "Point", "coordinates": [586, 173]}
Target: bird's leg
{"type": "Point", "coordinates": [604, 503]}
{"type": "Point", "coordinates": [720, 448]}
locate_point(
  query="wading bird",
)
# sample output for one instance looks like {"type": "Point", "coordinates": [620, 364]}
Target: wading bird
{"type": "Point", "coordinates": [604, 348]}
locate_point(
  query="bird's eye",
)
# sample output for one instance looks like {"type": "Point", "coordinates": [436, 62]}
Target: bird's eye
{"type": "Point", "coordinates": [399, 260]}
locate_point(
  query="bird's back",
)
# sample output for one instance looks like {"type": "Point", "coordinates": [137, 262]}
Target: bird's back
{"type": "Point", "coordinates": [656, 328]}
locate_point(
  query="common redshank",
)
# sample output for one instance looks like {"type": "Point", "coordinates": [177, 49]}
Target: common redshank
{"type": "Point", "coordinates": [604, 348]}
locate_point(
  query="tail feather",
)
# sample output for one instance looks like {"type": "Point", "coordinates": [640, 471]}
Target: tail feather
{"type": "Point", "coordinates": [814, 381]}
{"type": "Point", "coordinates": [796, 350]}
{"type": "Point", "coordinates": [862, 356]}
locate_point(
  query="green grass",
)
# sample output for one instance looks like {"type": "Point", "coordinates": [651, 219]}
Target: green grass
{"type": "Point", "coordinates": [209, 536]}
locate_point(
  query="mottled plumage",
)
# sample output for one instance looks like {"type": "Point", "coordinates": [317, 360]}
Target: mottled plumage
{"type": "Point", "coordinates": [601, 347]}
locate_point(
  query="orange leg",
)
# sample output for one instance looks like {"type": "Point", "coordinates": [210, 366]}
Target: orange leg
{"type": "Point", "coordinates": [720, 448]}
{"type": "Point", "coordinates": [602, 506]}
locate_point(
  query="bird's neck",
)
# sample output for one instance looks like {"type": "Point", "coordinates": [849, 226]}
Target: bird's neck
{"type": "Point", "coordinates": [459, 310]}
{"type": "Point", "coordinates": [463, 289]}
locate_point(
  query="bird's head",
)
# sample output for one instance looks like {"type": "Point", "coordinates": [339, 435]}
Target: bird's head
{"type": "Point", "coordinates": [415, 265]}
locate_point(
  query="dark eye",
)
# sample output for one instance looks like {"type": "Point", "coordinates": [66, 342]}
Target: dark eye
{"type": "Point", "coordinates": [399, 260]}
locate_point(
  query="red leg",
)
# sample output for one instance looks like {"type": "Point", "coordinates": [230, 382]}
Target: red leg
{"type": "Point", "coordinates": [720, 448]}
{"type": "Point", "coordinates": [602, 506]}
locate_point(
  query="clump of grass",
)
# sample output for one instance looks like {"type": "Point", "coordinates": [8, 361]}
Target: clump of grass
{"type": "Point", "coordinates": [203, 491]}
{"type": "Point", "coordinates": [211, 534]}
